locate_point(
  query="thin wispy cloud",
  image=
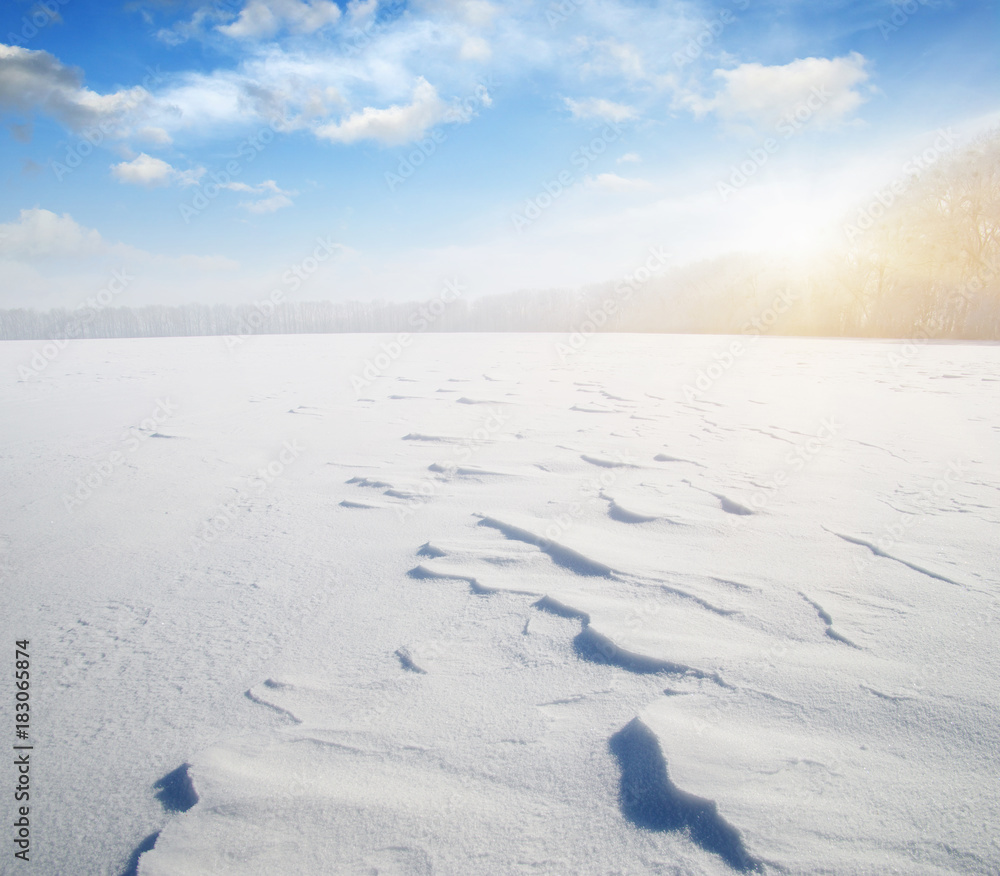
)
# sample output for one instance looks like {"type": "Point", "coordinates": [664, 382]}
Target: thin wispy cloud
{"type": "Point", "coordinates": [273, 197]}
{"type": "Point", "coordinates": [615, 183]}
{"type": "Point", "coordinates": [599, 108]}
{"type": "Point", "coordinates": [392, 125]}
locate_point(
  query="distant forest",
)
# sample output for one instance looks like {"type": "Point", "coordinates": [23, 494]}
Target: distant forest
{"type": "Point", "coordinates": [921, 259]}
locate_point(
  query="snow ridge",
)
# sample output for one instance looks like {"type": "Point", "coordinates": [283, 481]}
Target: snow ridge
{"type": "Point", "coordinates": [649, 799]}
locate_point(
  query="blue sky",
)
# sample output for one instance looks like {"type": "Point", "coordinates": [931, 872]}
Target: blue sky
{"type": "Point", "coordinates": [205, 149]}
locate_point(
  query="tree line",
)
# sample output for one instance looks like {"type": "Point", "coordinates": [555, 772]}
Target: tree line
{"type": "Point", "coordinates": [920, 259]}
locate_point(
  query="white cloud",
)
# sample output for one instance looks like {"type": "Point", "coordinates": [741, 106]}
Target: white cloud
{"type": "Point", "coordinates": [40, 233]}
{"type": "Point", "coordinates": [145, 170]}
{"type": "Point", "coordinates": [189, 177]}
{"type": "Point", "coordinates": [358, 84]}
{"type": "Point", "coordinates": [152, 134]}
{"type": "Point", "coordinates": [200, 263]}
{"type": "Point", "coordinates": [45, 10]}
{"type": "Point", "coordinates": [629, 158]}
{"type": "Point", "coordinates": [474, 13]}
{"type": "Point", "coordinates": [824, 91]}
{"type": "Point", "coordinates": [361, 10]}
{"type": "Point", "coordinates": [186, 30]}
{"type": "Point", "coordinates": [615, 183]}
{"type": "Point", "coordinates": [267, 205]}
{"type": "Point", "coordinates": [239, 187]}
{"type": "Point", "coordinates": [276, 197]}
{"type": "Point", "coordinates": [264, 18]}
{"type": "Point", "coordinates": [475, 49]}
{"type": "Point", "coordinates": [358, 81]}
{"type": "Point", "coordinates": [31, 80]}
{"type": "Point", "coordinates": [318, 102]}
{"type": "Point", "coordinates": [204, 102]}
{"type": "Point", "coordinates": [628, 58]}
{"type": "Point", "coordinates": [611, 58]}
{"type": "Point", "coordinates": [396, 124]}
{"type": "Point", "coordinates": [599, 108]}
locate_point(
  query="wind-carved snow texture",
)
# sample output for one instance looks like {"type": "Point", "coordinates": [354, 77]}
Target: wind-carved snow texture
{"type": "Point", "coordinates": [176, 790]}
{"type": "Point", "coordinates": [650, 800]}
{"type": "Point", "coordinates": [824, 616]}
{"type": "Point", "coordinates": [176, 793]}
{"type": "Point", "coordinates": [875, 549]}
{"type": "Point", "coordinates": [583, 624]}
{"type": "Point", "coordinates": [406, 661]}
{"type": "Point", "coordinates": [561, 555]}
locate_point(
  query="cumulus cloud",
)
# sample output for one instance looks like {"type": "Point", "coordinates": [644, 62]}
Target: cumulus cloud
{"type": "Point", "coordinates": [264, 18]}
{"type": "Point", "coordinates": [35, 80]}
{"type": "Point", "coordinates": [599, 108]}
{"type": "Point", "coordinates": [393, 125]}
{"type": "Point", "coordinates": [145, 170]}
{"type": "Point", "coordinates": [39, 233]}
{"type": "Point", "coordinates": [828, 88]}
{"type": "Point", "coordinates": [344, 91]}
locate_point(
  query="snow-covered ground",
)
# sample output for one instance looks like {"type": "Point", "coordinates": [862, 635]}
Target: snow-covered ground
{"type": "Point", "coordinates": [657, 605]}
